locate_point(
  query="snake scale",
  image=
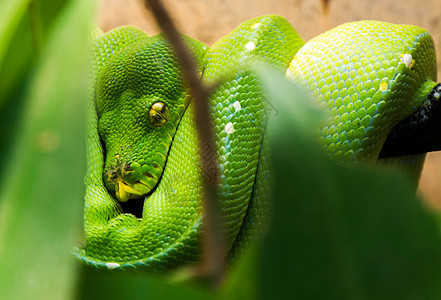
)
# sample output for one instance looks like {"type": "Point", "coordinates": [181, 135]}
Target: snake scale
{"type": "Point", "coordinates": [142, 144]}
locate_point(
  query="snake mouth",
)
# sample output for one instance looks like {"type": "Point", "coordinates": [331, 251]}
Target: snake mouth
{"type": "Point", "coordinates": [125, 191]}
{"type": "Point", "coordinates": [127, 182]}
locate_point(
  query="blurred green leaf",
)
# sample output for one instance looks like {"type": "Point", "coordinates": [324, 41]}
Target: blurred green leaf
{"type": "Point", "coordinates": [241, 283]}
{"type": "Point", "coordinates": [130, 285]}
{"type": "Point", "coordinates": [339, 232]}
{"type": "Point", "coordinates": [15, 60]}
{"type": "Point", "coordinates": [21, 41]}
{"type": "Point", "coordinates": [41, 188]}
{"type": "Point", "coordinates": [11, 12]}
{"type": "Point", "coordinates": [24, 27]}
{"type": "Point", "coordinates": [19, 54]}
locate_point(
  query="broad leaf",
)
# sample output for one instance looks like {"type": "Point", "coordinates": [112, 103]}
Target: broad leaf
{"type": "Point", "coordinates": [41, 187]}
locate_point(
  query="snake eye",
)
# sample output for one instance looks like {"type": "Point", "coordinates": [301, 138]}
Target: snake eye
{"type": "Point", "coordinates": [158, 114]}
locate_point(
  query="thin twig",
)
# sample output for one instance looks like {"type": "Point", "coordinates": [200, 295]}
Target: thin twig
{"type": "Point", "coordinates": [214, 255]}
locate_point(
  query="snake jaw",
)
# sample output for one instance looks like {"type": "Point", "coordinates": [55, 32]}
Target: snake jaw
{"type": "Point", "coordinates": [150, 182]}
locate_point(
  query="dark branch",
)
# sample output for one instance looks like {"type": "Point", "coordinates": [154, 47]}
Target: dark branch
{"type": "Point", "coordinates": [214, 263]}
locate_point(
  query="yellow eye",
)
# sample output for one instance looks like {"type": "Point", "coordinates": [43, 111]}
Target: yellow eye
{"type": "Point", "coordinates": [158, 114]}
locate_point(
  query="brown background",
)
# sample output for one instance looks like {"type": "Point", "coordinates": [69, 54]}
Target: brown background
{"type": "Point", "coordinates": [208, 20]}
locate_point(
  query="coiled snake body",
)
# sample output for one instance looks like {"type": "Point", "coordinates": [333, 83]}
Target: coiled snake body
{"type": "Point", "coordinates": [142, 145]}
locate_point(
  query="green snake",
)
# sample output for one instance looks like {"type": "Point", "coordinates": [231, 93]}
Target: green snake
{"type": "Point", "coordinates": [143, 184]}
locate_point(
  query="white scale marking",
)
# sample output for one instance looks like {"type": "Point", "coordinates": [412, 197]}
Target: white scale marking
{"type": "Point", "coordinates": [229, 128]}
{"type": "Point", "coordinates": [407, 60]}
{"type": "Point", "coordinates": [254, 26]}
{"type": "Point", "coordinates": [112, 266]}
{"type": "Point", "coordinates": [237, 106]}
{"type": "Point", "coordinates": [250, 46]}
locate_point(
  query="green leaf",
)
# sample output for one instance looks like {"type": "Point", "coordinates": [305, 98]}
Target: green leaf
{"type": "Point", "coordinates": [339, 232]}
{"type": "Point", "coordinates": [41, 188]}
{"type": "Point", "coordinates": [24, 28]}
{"type": "Point", "coordinates": [11, 13]}
{"type": "Point", "coordinates": [130, 285]}
{"type": "Point", "coordinates": [241, 283]}
{"type": "Point", "coordinates": [294, 113]}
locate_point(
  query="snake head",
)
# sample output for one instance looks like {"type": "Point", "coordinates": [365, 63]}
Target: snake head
{"type": "Point", "coordinates": [140, 100]}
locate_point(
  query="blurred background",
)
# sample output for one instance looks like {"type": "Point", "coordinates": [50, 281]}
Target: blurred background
{"type": "Point", "coordinates": [208, 20]}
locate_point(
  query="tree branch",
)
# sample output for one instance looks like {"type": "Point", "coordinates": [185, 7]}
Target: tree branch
{"type": "Point", "coordinates": [214, 250]}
